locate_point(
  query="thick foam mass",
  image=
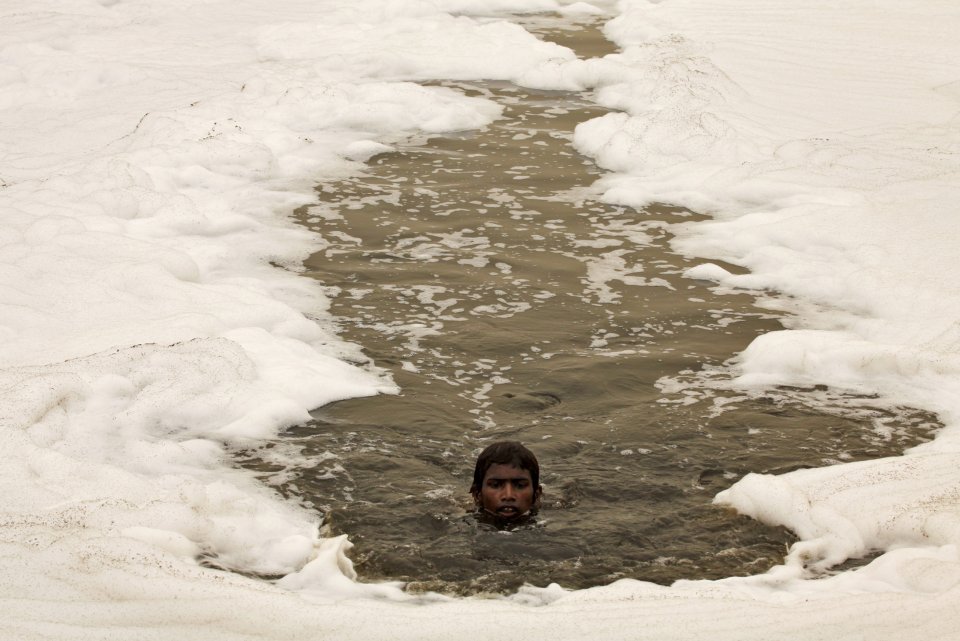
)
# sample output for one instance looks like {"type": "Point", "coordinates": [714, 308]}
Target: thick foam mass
{"type": "Point", "coordinates": [152, 319]}
{"type": "Point", "coordinates": [827, 158]}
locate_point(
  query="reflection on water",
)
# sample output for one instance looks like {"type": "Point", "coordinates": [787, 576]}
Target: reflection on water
{"type": "Point", "coordinates": [507, 302]}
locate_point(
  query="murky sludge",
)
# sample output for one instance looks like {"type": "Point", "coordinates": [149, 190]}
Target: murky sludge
{"type": "Point", "coordinates": [508, 303]}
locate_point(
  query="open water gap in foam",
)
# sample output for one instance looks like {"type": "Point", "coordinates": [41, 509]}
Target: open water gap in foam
{"type": "Point", "coordinates": [508, 302]}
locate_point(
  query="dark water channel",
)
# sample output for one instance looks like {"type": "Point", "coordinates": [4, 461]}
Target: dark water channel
{"type": "Point", "coordinates": [507, 302]}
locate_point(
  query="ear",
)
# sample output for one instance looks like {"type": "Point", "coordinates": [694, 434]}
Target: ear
{"type": "Point", "coordinates": [475, 493]}
{"type": "Point", "coordinates": [537, 496]}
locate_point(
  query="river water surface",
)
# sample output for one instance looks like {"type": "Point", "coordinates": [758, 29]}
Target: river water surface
{"type": "Point", "coordinates": [507, 302]}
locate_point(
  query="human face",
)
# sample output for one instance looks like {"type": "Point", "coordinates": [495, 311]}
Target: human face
{"type": "Point", "coordinates": [507, 492]}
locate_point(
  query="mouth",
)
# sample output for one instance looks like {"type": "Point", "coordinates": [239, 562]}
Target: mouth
{"type": "Point", "coordinates": [508, 512]}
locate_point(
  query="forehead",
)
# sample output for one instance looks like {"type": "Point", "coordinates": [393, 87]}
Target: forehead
{"type": "Point", "coordinates": [504, 472]}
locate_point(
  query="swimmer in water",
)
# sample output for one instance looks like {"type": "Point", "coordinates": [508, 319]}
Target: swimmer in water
{"type": "Point", "coordinates": [506, 483]}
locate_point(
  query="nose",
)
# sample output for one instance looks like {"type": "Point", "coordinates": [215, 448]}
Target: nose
{"type": "Point", "coordinates": [509, 492]}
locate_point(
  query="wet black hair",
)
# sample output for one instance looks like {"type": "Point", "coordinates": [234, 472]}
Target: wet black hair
{"type": "Point", "coordinates": [505, 453]}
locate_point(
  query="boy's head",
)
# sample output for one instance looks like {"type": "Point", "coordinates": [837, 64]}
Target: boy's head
{"type": "Point", "coordinates": [506, 481]}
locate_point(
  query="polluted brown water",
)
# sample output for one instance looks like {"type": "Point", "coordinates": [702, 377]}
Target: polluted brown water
{"type": "Point", "coordinates": [507, 302]}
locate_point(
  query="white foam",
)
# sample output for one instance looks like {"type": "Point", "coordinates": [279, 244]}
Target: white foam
{"type": "Point", "coordinates": [828, 158]}
{"type": "Point", "coordinates": [152, 318]}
